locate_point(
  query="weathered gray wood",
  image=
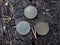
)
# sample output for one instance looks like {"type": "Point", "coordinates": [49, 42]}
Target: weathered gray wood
{"type": "Point", "coordinates": [48, 11]}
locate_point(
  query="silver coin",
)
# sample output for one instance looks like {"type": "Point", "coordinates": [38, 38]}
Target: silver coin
{"type": "Point", "coordinates": [23, 27]}
{"type": "Point", "coordinates": [42, 28]}
{"type": "Point", "coordinates": [30, 12]}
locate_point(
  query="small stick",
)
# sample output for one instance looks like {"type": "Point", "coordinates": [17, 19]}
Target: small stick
{"type": "Point", "coordinates": [34, 32]}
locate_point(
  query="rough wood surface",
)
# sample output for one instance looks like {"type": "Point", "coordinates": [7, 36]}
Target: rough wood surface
{"type": "Point", "coordinates": [48, 11]}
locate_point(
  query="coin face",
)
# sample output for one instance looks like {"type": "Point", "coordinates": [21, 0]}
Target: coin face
{"type": "Point", "coordinates": [42, 28]}
{"type": "Point", "coordinates": [30, 12]}
{"type": "Point", "coordinates": [23, 27]}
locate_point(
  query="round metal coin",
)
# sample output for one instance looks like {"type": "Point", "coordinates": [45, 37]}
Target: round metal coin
{"type": "Point", "coordinates": [23, 27]}
{"type": "Point", "coordinates": [30, 12]}
{"type": "Point", "coordinates": [42, 28]}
